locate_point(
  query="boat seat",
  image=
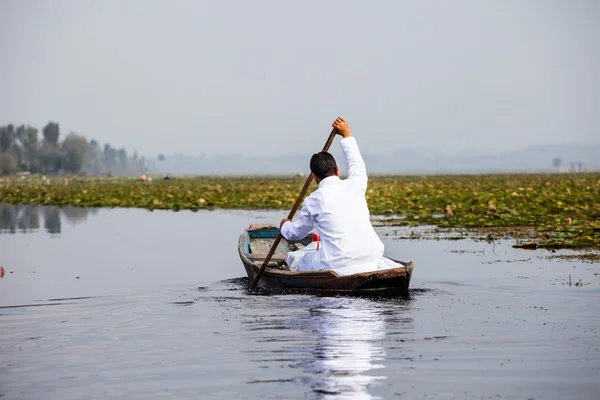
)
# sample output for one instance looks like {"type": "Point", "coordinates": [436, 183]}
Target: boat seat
{"type": "Point", "coordinates": [259, 249]}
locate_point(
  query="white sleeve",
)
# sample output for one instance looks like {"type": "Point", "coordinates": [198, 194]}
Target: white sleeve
{"type": "Point", "coordinates": [300, 228]}
{"type": "Point", "coordinates": [357, 170]}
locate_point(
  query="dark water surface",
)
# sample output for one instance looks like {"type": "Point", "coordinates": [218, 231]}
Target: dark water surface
{"type": "Point", "coordinates": [125, 304]}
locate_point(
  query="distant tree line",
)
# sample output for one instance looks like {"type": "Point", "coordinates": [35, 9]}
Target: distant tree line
{"type": "Point", "coordinates": [22, 149]}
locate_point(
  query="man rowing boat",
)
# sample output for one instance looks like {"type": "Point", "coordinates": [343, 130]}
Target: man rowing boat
{"type": "Point", "coordinates": [338, 209]}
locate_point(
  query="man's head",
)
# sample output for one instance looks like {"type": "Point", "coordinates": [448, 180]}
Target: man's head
{"type": "Point", "coordinates": [323, 165]}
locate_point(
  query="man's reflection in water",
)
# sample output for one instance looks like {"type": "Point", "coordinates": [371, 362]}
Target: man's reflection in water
{"type": "Point", "coordinates": [349, 346]}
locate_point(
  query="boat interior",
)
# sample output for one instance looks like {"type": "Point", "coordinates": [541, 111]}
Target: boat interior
{"type": "Point", "coordinates": [257, 242]}
{"type": "Point", "coordinates": [258, 239]}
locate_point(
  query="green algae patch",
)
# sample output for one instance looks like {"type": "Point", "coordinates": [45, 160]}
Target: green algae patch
{"type": "Point", "coordinates": [552, 210]}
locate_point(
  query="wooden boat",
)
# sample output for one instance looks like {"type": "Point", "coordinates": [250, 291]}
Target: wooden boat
{"type": "Point", "coordinates": [255, 243]}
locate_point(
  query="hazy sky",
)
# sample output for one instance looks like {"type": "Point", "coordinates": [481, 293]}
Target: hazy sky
{"type": "Point", "coordinates": [258, 77]}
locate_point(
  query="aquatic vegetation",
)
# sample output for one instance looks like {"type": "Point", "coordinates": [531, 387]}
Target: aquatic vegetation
{"type": "Point", "coordinates": [554, 210]}
{"type": "Point", "coordinates": [588, 257]}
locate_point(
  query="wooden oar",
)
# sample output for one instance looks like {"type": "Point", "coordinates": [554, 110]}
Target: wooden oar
{"type": "Point", "coordinates": [290, 216]}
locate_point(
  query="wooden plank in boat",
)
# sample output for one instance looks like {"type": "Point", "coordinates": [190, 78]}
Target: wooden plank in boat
{"type": "Point", "coordinates": [256, 227]}
{"type": "Point", "coordinates": [259, 246]}
{"type": "Point", "coordinates": [259, 249]}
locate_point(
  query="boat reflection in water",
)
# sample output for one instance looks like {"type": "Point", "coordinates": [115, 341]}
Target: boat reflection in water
{"type": "Point", "coordinates": [28, 219]}
{"type": "Point", "coordinates": [338, 343]}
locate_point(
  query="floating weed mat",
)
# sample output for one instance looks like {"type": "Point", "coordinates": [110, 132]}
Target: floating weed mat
{"type": "Point", "coordinates": [592, 258]}
{"type": "Point", "coordinates": [553, 210]}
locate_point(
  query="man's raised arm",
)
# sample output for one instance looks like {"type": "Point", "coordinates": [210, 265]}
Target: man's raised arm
{"type": "Point", "coordinates": [357, 170]}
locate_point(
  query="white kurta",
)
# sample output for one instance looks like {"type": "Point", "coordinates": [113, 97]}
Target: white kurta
{"type": "Point", "coordinates": [338, 209]}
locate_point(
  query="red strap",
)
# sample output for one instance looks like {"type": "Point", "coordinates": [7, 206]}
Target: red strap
{"type": "Point", "coordinates": [317, 238]}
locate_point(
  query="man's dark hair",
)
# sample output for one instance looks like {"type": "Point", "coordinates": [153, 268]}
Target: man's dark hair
{"type": "Point", "coordinates": [323, 164]}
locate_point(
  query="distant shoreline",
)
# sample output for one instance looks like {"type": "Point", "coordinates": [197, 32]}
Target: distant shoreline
{"type": "Point", "coordinates": [558, 210]}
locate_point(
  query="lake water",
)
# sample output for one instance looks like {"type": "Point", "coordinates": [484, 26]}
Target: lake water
{"type": "Point", "coordinates": [132, 304]}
